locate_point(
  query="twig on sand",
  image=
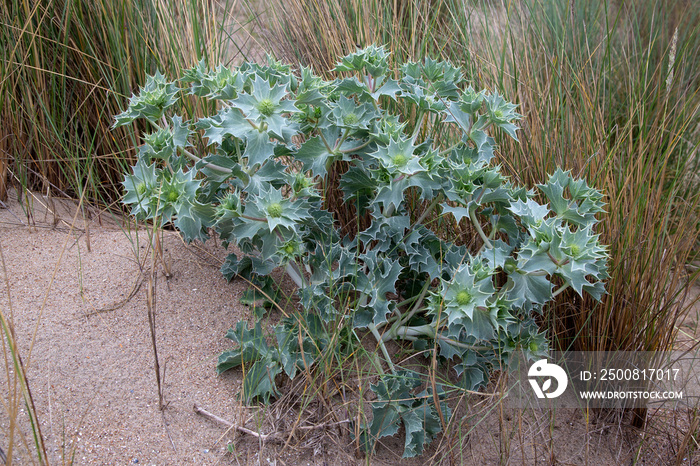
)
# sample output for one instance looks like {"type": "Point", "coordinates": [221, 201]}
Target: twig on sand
{"type": "Point", "coordinates": [264, 437]}
{"type": "Point", "coordinates": [229, 424]}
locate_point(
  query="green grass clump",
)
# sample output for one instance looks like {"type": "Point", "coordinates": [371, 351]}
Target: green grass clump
{"type": "Point", "coordinates": [67, 68]}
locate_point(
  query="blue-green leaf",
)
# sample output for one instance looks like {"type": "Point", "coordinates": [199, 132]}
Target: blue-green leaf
{"type": "Point", "coordinates": [259, 381]}
{"type": "Point", "coordinates": [525, 289]}
{"type": "Point", "coordinates": [315, 155]}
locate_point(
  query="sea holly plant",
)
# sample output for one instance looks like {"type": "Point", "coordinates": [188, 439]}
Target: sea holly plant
{"type": "Point", "coordinates": [257, 172]}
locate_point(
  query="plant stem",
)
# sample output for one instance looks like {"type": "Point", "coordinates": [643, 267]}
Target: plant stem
{"type": "Point", "coordinates": [370, 82]}
{"type": "Point", "coordinates": [378, 363]}
{"type": "Point", "coordinates": [560, 290]}
{"type": "Point", "coordinates": [372, 328]}
{"type": "Point", "coordinates": [362, 301]}
{"type": "Point", "coordinates": [442, 153]}
{"type": "Point", "coordinates": [355, 149]}
{"type": "Point", "coordinates": [404, 331]}
{"type": "Point", "coordinates": [427, 211]}
{"type": "Point", "coordinates": [255, 219]}
{"type": "Point", "coordinates": [477, 225]}
{"type": "Point", "coordinates": [414, 333]}
{"type": "Point", "coordinates": [213, 166]}
{"type": "Point", "coordinates": [419, 121]}
{"type": "Point", "coordinates": [295, 274]}
{"type": "Point", "coordinates": [492, 235]}
{"type": "Point", "coordinates": [406, 302]}
{"type": "Point", "coordinates": [292, 268]}
{"type": "Point", "coordinates": [412, 312]}
{"type": "Point", "coordinates": [325, 143]}
{"type": "Point", "coordinates": [462, 345]}
{"type": "Point", "coordinates": [342, 139]}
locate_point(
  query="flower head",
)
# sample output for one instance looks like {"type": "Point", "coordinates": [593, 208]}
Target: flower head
{"type": "Point", "coordinates": [468, 290]}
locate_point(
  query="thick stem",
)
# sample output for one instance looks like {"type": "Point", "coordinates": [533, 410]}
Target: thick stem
{"type": "Point", "coordinates": [370, 82]}
{"type": "Point", "coordinates": [213, 166]}
{"type": "Point", "coordinates": [325, 143]}
{"type": "Point", "coordinates": [362, 301]}
{"type": "Point", "coordinates": [444, 152]}
{"type": "Point", "coordinates": [154, 124]}
{"type": "Point", "coordinates": [342, 139]}
{"type": "Point", "coordinates": [378, 363]}
{"type": "Point", "coordinates": [406, 302]}
{"type": "Point", "coordinates": [295, 274]}
{"type": "Point", "coordinates": [389, 211]}
{"type": "Point", "coordinates": [416, 129]}
{"type": "Point", "coordinates": [412, 312]}
{"type": "Point", "coordinates": [492, 235]}
{"type": "Point", "coordinates": [462, 345]}
{"type": "Point", "coordinates": [477, 225]}
{"type": "Point", "coordinates": [560, 290]}
{"type": "Point", "coordinates": [255, 219]}
{"type": "Point", "coordinates": [380, 342]}
{"type": "Point", "coordinates": [420, 331]}
{"type": "Point", "coordinates": [355, 149]}
{"type": "Point", "coordinates": [292, 268]}
{"type": "Point", "coordinates": [414, 333]}
{"type": "Point", "coordinates": [427, 211]}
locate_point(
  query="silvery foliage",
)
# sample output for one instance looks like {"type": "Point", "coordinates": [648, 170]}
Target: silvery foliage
{"type": "Point", "coordinates": [255, 173]}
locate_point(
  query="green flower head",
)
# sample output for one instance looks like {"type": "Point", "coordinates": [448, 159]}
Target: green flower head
{"type": "Point", "coordinates": [499, 110]}
{"type": "Point", "coordinates": [463, 298]}
{"type": "Point", "coordinates": [398, 157]}
{"type": "Point", "coordinates": [349, 114]}
{"type": "Point", "coordinates": [350, 119]}
{"type": "Point", "coordinates": [274, 210]}
{"type": "Point", "coordinates": [231, 202]}
{"type": "Point", "coordinates": [154, 98]}
{"type": "Point", "coordinates": [173, 195]}
{"type": "Point", "coordinates": [266, 103]}
{"type": "Point", "coordinates": [139, 187]}
{"type": "Point", "coordinates": [290, 250]}
{"type": "Point", "coordinates": [176, 190]}
{"type": "Point", "coordinates": [159, 140]}
{"type": "Point", "coordinates": [266, 107]}
{"type": "Point", "coordinates": [467, 291]}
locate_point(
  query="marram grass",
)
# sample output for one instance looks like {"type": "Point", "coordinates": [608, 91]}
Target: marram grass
{"type": "Point", "coordinates": [67, 67]}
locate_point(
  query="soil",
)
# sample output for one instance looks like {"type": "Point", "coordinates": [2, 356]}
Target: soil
{"type": "Point", "coordinates": [75, 289]}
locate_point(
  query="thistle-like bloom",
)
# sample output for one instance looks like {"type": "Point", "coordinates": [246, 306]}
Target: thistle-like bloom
{"type": "Point", "coordinates": [276, 209]}
{"type": "Point", "coordinates": [398, 157]}
{"type": "Point", "coordinates": [154, 98]}
{"type": "Point", "coordinates": [468, 290]}
{"type": "Point", "coordinates": [266, 104]}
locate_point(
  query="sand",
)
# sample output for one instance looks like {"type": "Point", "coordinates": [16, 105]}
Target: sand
{"type": "Point", "coordinates": [78, 303]}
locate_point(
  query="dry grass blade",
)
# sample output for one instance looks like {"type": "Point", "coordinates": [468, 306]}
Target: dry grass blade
{"type": "Point", "coordinates": [15, 371]}
{"type": "Point", "coordinates": [67, 70]}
